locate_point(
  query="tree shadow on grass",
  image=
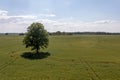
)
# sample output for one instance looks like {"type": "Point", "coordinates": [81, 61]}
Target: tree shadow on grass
{"type": "Point", "coordinates": [35, 56]}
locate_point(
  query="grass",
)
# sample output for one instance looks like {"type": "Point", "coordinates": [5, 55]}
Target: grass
{"type": "Point", "coordinates": [85, 57]}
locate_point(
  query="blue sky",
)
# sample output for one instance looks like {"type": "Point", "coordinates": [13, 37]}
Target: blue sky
{"type": "Point", "coordinates": [63, 15]}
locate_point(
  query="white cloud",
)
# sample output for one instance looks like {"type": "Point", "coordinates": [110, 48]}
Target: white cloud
{"type": "Point", "coordinates": [4, 15]}
{"type": "Point", "coordinates": [110, 26]}
{"type": "Point", "coordinates": [12, 27]}
{"type": "Point", "coordinates": [104, 21]}
{"type": "Point", "coordinates": [54, 25]}
{"type": "Point", "coordinates": [3, 12]}
{"type": "Point", "coordinates": [20, 17]}
{"type": "Point", "coordinates": [47, 15]}
{"type": "Point", "coordinates": [21, 22]}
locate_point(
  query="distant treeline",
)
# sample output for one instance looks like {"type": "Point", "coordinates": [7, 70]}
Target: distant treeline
{"type": "Point", "coordinates": [83, 33]}
{"type": "Point", "coordinates": [68, 33]}
{"type": "Point", "coordinates": [12, 34]}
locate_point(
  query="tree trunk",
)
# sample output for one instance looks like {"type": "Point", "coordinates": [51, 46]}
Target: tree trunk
{"type": "Point", "coordinates": [37, 51]}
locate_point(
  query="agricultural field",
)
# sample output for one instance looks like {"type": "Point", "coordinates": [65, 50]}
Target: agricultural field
{"type": "Point", "coordinates": [74, 57]}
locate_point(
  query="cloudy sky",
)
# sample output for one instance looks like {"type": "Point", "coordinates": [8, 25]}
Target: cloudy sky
{"type": "Point", "coordinates": [60, 15]}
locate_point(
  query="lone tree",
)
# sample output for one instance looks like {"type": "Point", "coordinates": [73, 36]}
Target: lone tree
{"type": "Point", "coordinates": [36, 37]}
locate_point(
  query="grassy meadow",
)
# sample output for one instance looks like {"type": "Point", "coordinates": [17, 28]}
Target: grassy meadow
{"type": "Point", "coordinates": [75, 57]}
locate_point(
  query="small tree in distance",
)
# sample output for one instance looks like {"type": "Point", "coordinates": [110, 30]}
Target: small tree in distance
{"type": "Point", "coordinates": [36, 37]}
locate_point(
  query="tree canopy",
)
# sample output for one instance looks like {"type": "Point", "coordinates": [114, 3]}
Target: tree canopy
{"type": "Point", "coordinates": [36, 37]}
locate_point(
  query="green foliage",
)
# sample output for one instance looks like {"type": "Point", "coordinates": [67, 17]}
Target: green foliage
{"type": "Point", "coordinates": [36, 37]}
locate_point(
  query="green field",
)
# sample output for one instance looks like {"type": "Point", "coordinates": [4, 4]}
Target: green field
{"type": "Point", "coordinates": [78, 57]}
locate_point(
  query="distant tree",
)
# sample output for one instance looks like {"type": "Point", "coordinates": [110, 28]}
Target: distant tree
{"type": "Point", "coordinates": [58, 33]}
{"type": "Point", "coordinates": [6, 33]}
{"type": "Point", "coordinates": [36, 37]}
{"type": "Point", "coordinates": [21, 34]}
